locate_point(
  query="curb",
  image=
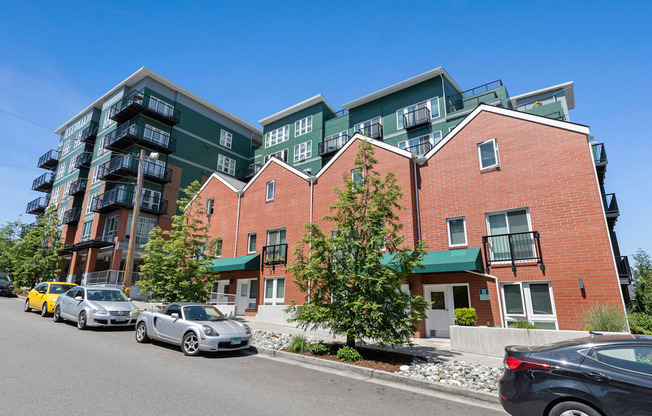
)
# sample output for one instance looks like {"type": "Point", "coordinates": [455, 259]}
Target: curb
{"type": "Point", "coordinates": [384, 375]}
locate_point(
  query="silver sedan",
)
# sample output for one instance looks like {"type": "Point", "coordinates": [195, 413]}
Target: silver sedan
{"type": "Point", "coordinates": [95, 306]}
{"type": "Point", "coordinates": [193, 326]}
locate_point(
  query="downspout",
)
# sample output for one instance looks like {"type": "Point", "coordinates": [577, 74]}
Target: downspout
{"type": "Point", "coordinates": [416, 192]}
{"type": "Point", "coordinates": [312, 180]}
{"type": "Point", "coordinates": [500, 305]}
{"type": "Point", "coordinates": [237, 226]}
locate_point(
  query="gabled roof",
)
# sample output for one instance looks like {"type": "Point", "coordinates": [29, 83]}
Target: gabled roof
{"type": "Point", "coordinates": [569, 93]}
{"type": "Point", "coordinates": [297, 107]}
{"type": "Point", "coordinates": [143, 73]}
{"type": "Point", "coordinates": [400, 86]}
{"type": "Point", "coordinates": [578, 128]}
{"type": "Point", "coordinates": [283, 164]}
{"type": "Point", "coordinates": [231, 183]}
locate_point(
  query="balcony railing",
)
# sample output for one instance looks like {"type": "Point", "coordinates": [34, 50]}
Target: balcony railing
{"type": "Point", "coordinates": [514, 248]}
{"type": "Point", "coordinates": [610, 206]}
{"type": "Point", "coordinates": [129, 134]}
{"type": "Point", "coordinates": [471, 103]}
{"type": "Point", "coordinates": [275, 255]}
{"type": "Point", "coordinates": [89, 134]}
{"type": "Point", "coordinates": [624, 271]}
{"type": "Point", "coordinates": [78, 187]}
{"type": "Point", "coordinates": [71, 216]}
{"type": "Point", "coordinates": [420, 149]}
{"type": "Point", "coordinates": [416, 118]}
{"type": "Point", "coordinates": [127, 166]}
{"type": "Point", "coordinates": [137, 102]}
{"type": "Point", "coordinates": [332, 145]}
{"type": "Point", "coordinates": [249, 172]}
{"type": "Point", "coordinates": [476, 90]}
{"type": "Point", "coordinates": [337, 114]}
{"type": "Point", "coordinates": [49, 160]}
{"type": "Point", "coordinates": [83, 160]}
{"type": "Point", "coordinates": [373, 131]}
{"type": "Point", "coordinates": [43, 183]}
{"type": "Point", "coordinates": [120, 198]}
{"type": "Point", "coordinates": [25, 229]}
{"type": "Point", "coordinates": [37, 206]}
{"type": "Point", "coordinates": [109, 277]}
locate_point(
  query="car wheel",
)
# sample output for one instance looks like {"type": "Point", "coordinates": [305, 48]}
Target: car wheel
{"type": "Point", "coordinates": [190, 344]}
{"type": "Point", "coordinates": [81, 320]}
{"type": "Point", "coordinates": [141, 332]}
{"type": "Point", "coordinates": [27, 308]}
{"type": "Point", "coordinates": [56, 316]}
{"type": "Point", "coordinates": [573, 409]}
{"type": "Point", "coordinates": [44, 309]}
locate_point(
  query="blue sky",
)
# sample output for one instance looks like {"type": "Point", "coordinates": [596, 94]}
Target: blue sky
{"type": "Point", "coordinates": [256, 58]}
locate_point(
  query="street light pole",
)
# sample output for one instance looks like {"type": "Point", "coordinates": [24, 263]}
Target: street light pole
{"type": "Point", "coordinates": [129, 264]}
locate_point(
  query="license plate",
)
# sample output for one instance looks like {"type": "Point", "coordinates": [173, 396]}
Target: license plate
{"type": "Point", "coordinates": [119, 319]}
{"type": "Point", "coordinates": [236, 341]}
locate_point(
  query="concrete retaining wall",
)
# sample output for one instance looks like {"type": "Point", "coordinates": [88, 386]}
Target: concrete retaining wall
{"type": "Point", "coordinates": [273, 314]}
{"type": "Point", "coordinates": [492, 341]}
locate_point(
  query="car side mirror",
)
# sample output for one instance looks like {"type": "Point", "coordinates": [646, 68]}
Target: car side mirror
{"type": "Point", "coordinates": [175, 316]}
{"type": "Point", "coordinates": [79, 298]}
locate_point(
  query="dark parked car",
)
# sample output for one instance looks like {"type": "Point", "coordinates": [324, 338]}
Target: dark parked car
{"type": "Point", "coordinates": [6, 287]}
{"type": "Point", "coordinates": [594, 376]}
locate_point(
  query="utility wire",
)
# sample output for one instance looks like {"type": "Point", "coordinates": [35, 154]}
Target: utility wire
{"type": "Point", "coordinates": [26, 120]}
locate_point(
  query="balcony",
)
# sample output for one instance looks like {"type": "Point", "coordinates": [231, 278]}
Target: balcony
{"type": "Point", "coordinates": [49, 160]}
{"type": "Point", "coordinates": [83, 160]}
{"type": "Point", "coordinates": [470, 99]}
{"type": "Point", "coordinates": [78, 187]}
{"type": "Point", "coordinates": [120, 198]}
{"type": "Point", "coordinates": [512, 249]}
{"type": "Point", "coordinates": [127, 166]}
{"type": "Point", "coordinates": [25, 229]}
{"type": "Point", "coordinates": [337, 114]}
{"type": "Point", "coordinates": [600, 160]}
{"type": "Point", "coordinates": [275, 255]}
{"type": "Point", "coordinates": [129, 134]}
{"type": "Point", "coordinates": [610, 206]}
{"type": "Point", "coordinates": [249, 172]}
{"type": "Point", "coordinates": [373, 131]}
{"type": "Point", "coordinates": [416, 118]}
{"type": "Point", "coordinates": [89, 134]}
{"type": "Point", "coordinates": [420, 149]}
{"type": "Point", "coordinates": [37, 206]}
{"type": "Point", "coordinates": [43, 183]}
{"type": "Point", "coordinates": [137, 102]}
{"type": "Point", "coordinates": [332, 145]}
{"type": "Point", "coordinates": [624, 271]}
{"type": "Point", "coordinates": [71, 216]}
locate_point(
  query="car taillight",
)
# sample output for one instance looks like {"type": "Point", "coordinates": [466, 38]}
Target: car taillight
{"type": "Point", "coordinates": [520, 364]}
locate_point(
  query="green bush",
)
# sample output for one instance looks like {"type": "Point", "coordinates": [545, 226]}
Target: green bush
{"type": "Point", "coordinates": [523, 324]}
{"type": "Point", "coordinates": [640, 323]}
{"type": "Point", "coordinates": [348, 354]}
{"type": "Point", "coordinates": [320, 349]}
{"type": "Point", "coordinates": [465, 316]}
{"type": "Point", "coordinates": [299, 344]}
{"type": "Point", "coordinates": [604, 318]}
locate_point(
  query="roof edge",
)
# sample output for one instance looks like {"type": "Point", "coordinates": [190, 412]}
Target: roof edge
{"type": "Point", "coordinates": [294, 108]}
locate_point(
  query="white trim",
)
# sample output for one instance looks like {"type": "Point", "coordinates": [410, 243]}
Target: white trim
{"type": "Point", "coordinates": [293, 109]}
{"type": "Point", "coordinates": [526, 299]}
{"type": "Point", "coordinates": [271, 160]}
{"type": "Point", "coordinates": [249, 242]}
{"type": "Point", "coordinates": [307, 153]}
{"type": "Point", "coordinates": [448, 228]}
{"type": "Point", "coordinates": [496, 156]}
{"type": "Point", "coordinates": [428, 103]}
{"type": "Point", "coordinates": [267, 197]}
{"type": "Point", "coordinates": [569, 93]}
{"type": "Point", "coordinates": [303, 130]}
{"type": "Point", "coordinates": [227, 137]}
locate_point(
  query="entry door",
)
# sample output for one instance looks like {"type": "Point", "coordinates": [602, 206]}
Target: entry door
{"type": "Point", "coordinates": [438, 316]}
{"type": "Point", "coordinates": [245, 295]}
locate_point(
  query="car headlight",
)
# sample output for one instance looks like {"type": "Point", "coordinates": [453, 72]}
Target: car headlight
{"type": "Point", "coordinates": [247, 329]}
{"type": "Point", "coordinates": [100, 311]}
{"type": "Point", "coordinates": [136, 311]}
{"type": "Point", "coordinates": [210, 332]}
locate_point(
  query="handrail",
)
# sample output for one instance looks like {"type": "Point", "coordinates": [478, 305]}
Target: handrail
{"type": "Point", "coordinates": [89, 132]}
{"type": "Point", "coordinates": [50, 155]}
{"type": "Point", "coordinates": [331, 116]}
{"type": "Point", "coordinates": [599, 154]}
{"type": "Point", "coordinates": [374, 131]}
{"type": "Point", "coordinates": [333, 144]}
{"type": "Point", "coordinates": [477, 90]}
{"type": "Point", "coordinates": [39, 203]}
{"type": "Point", "coordinates": [416, 118]}
{"type": "Point", "coordinates": [143, 133]}
{"type": "Point", "coordinates": [476, 100]}
{"type": "Point", "coordinates": [274, 255]}
{"type": "Point", "coordinates": [46, 178]}
{"type": "Point", "coordinates": [77, 185]}
{"type": "Point", "coordinates": [512, 247]}
{"type": "Point", "coordinates": [71, 215]}
{"type": "Point", "coordinates": [83, 158]}
{"type": "Point", "coordinates": [610, 204]}
{"type": "Point", "coordinates": [143, 100]}
{"type": "Point", "coordinates": [420, 149]}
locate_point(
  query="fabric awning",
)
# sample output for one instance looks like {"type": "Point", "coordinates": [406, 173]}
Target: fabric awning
{"type": "Point", "coordinates": [250, 262]}
{"type": "Point", "coordinates": [447, 261]}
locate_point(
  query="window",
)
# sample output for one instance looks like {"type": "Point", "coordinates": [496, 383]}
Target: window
{"type": "Point", "coordinates": [302, 151]}
{"type": "Point", "coordinates": [218, 248]}
{"type": "Point", "coordinates": [86, 230]}
{"type": "Point", "coordinates": [274, 291]}
{"type": "Point", "coordinates": [150, 199]}
{"type": "Point", "coordinates": [154, 135]}
{"type": "Point", "coordinates": [55, 195]}
{"type": "Point", "coordinates": [100, 146]}
{"type": "Point", "coordinates": [107, 120]}
{"type": "Point", "coordinates": [78, 140]}
{"type": "Point", "coordinates": [96, 175]}
{"type": "Point", "coordinates": [251, 243]}
{"type": "Point", "coordinates": [277, 136]}
{"type": "Point", "coordinates": [160, 106]}
{"type": "Point", "coordinates": [335, 141]}
{"type": "Point", "coordinates": [421, 145]}
{"type": "Point", "coordinates": [636, 358]}
{"type": "Point", "coordinates": [226, 164]}
{"type": "Point", "coordinates": [369, 128]}
{"type": "Point", "coordinates": [357, 174]}
{"type": "Point", "coordinates": [73, 162]}
{"type": "Point", "coordinates": [281, 154]}
{"type": "Point", "coordinates": [510, 228]}
{"type": "Point", "coordinates": [276, 237]}
{"type": "Point", "coordinates": [145, 226]}
{"type": "Point", "coordinates": [66, 147]}
{"type": "Point", "coordinates": [488, 154]}
{"type": "Point", "coordinates": [66, 189]}
{"type": "Point", "coordinates": [303, 126]}
{"type": "Point", "coordinates": [271, 190]}
{"type": "Point", "coordinates": [531, 302]}
{"type": "Point", "coordinates": [62, 170]}
{"type": "Point", "coordinates": [456, 231]}
{"type": "Point", "coordinates": [91, 202]}
{"type": "Point", "coordinates": [110, 229]}
{"type": "Point", "coordinates": [226, 138]}
{"type": "Point", "coordinates": [417, 112]}
{"type": "Point", "coordinates": [210, 206]}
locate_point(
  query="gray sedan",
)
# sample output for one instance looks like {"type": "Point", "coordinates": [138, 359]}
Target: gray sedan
{"type": "Point", "coordinates": [193, 326]}
{"type": "Point", "coordinates": [95, 306]}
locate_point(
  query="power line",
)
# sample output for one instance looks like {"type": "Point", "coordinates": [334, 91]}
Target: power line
{"type": "Point", "coordinates": [25, 119]}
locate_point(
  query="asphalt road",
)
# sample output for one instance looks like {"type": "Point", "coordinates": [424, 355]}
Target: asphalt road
{"type": "Point", "coordinates": [55, 369]}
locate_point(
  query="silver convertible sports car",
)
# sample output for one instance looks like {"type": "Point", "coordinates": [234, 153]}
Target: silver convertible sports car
{"type": "Point", "coordinates": [95, 306]}
{"type": "Point", "coordinates": [195, 327]}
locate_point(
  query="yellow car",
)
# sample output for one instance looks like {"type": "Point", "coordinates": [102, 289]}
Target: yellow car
{"type": "Point", "coordinates": [43, 296]}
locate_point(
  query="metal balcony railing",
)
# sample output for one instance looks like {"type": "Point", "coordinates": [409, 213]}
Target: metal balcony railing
{"type": "Point", "coordinates": [333, 144]}
{"type": "Point", "coordinates": [120, 198]}
{"type": "Point", "coordinates": [610, 206]}
{"type": "Point", "coordinates": [138, 102]}
{"type": "Point", "coordinates": [249, 172]}
{"type": "Point", "coordinates": [78, 187]}
{"type": "Point", "coordinates": [599, 154]}
{"type": "Point", "coordinates": [275, 255]}
{"type": "Point", "coordinates": [127, 166]}
{"type": "Point", "coordinates": [129, 134]}
{"type": "Point", "coordinates": [471, 102]}
{"type": "Point", "coordinates": [476, 90]}
{"type": "Point", "coordinates": [624, 271]}
{"type": "Point", "coordinates": [512, 248]}
{"type": "Point", "coordinates": [336, 115]}
{"type": "Point", "coordinates": [373, 131]}
{"type": "Point", "coordinates": [49, 160]}
{"type": "Point", "coordinates": [83, 160]}
{"type": "Point", "coordinates": [109, 277]}
{"type": "Point", "coordinates": [89, 134]}
{"type": "Point", "coordinates": [71, 216]}
{"type": "Point", "coordinates": [37, 206]}
{"type": "Point", "coordinates": [420, 149]}
{"type": "Point", "coordinates": [43, 183]}
{"type": "Point", "coordinates": [416, 118]}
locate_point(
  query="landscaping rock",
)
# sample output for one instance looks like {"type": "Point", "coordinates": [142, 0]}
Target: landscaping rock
{"type": "Point", "coordinates": [455, 373]}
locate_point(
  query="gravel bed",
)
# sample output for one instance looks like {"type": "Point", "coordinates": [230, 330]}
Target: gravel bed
{"type": "Point", "coordinates": [272, 340]}
{"type": "Point", "coordinates": [455, 373]}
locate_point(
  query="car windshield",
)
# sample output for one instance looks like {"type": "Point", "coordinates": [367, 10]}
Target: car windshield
{"type": "Point", "coordinates": [57, 289]}
{"type": "Point", "coordinates": [5, 279]}
{"type": "Point", "coordinates": [202, 313]}
{"type": "Point", "coordinates": [106, 295]}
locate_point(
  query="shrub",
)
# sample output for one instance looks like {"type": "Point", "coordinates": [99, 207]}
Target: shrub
{"type": "Point", "coordinates": [605, 318]}
{"type": "Point", "coordinates": [640, 323]}
{"type": "Point", "coordinates": [523, 324]}
{"type": "Point", "coordinates": [465, 316]}
{"type": "Point", "coordinates": [348, 354]}
{"type": "Point", "coordinates": [320, 349]}
{"type": "Point", "coordinates": [299, 344]}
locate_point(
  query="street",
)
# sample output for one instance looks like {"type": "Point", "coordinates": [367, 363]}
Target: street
{"type": "Point", "coordinates": [54, 368]}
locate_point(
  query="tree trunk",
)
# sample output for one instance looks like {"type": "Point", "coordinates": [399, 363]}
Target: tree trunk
{"type": "Point", "coordinates": [350, 341]}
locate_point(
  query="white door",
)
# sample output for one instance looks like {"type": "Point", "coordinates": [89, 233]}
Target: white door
{"type": "Point", "coordinates": [245, 297]}
{"type": "Point", "coordinates": [438, 317]}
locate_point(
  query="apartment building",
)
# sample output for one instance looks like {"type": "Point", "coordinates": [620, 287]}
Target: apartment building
{"type": "Point", "coordinates": [93, 170]}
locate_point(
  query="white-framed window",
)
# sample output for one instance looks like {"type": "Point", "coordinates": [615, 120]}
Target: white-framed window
{"type": "Point", "coordinates": [55, 195]}
{"type": "Point", "coordinates": [357, 174]}
{"type": "Point", "coordinates": [66, 189]}
{"type": "Point", "coordinates": [154, 135]}
{"type": "Point", "coordinates": [302, 151]}
{"type": "Point", "coordinates": [251, 243]}
{"type": "Point", "coordinates": [226, 138]}
{"type": "Point", "coordinates": [77, 125]}
{"type": "Point", "coordinates": [78, 140]}
{"type": "Point", "coordinates": [488, 154]}
{"type": "Point", "coordinates": [335, 141]}
{"type": "Point", "coordinates": [509, 232]}
{"type": "Point", "coordinates": [160, 106]}
{"type": "Point", "coordinates": [274, 291]}
{"type": "Point", "coordinates": [90, 203]}
{"type": "Point", "coordinates": [73, 162]}
{"type": "Point", "coordinates": [100, 146]}
{"type": "Point", "coordinates": [110, 229]}
{"type": "Point", "coordinates": [277, 136]}
{"type": "Point", "coordinates": [531, 301]}
{"type": "Point", "coordinates": [271, 191]}
{"type": "Point", "coordinates": [62, 213]}
{"type": "Point", "coordinates": [369, 128]}
{"type": "Point", "coordinates": [218, 248]}
{"type": "Point", "coordinates": [86, 230]}
{"type": "Point", "coordinates": [96, 175]}
{"type": "Point", "coordinates": [145, 226]}
{"type": "Point", "coordinates": [281, 154]}
{"type": "Point", "coordinates": [150, 199]}
{"type": "Point", "coordinates": [107, 120]}
{"type": "Point", "coordinates": [66, 147]}
{"type": "Point", "coordinates": [421, 145]}
{"type": "Point", "coordinates": [303, 126]}
{"type": "Point", "coordinates": [226, 164]}
{"type": "Point", "coordinates": [62, 170]}
{"type": "Point", "coordinates": [417, 112]}
{"type": "Point", "coordinates": [456, 231]}
{"type": "Point", "coordinates": [210, 206]}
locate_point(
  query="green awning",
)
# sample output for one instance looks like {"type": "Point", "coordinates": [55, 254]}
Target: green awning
{"type": "Point", "coordinates": [250, 262]}
{"type": "Point", "coordinates": [448, 261]}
